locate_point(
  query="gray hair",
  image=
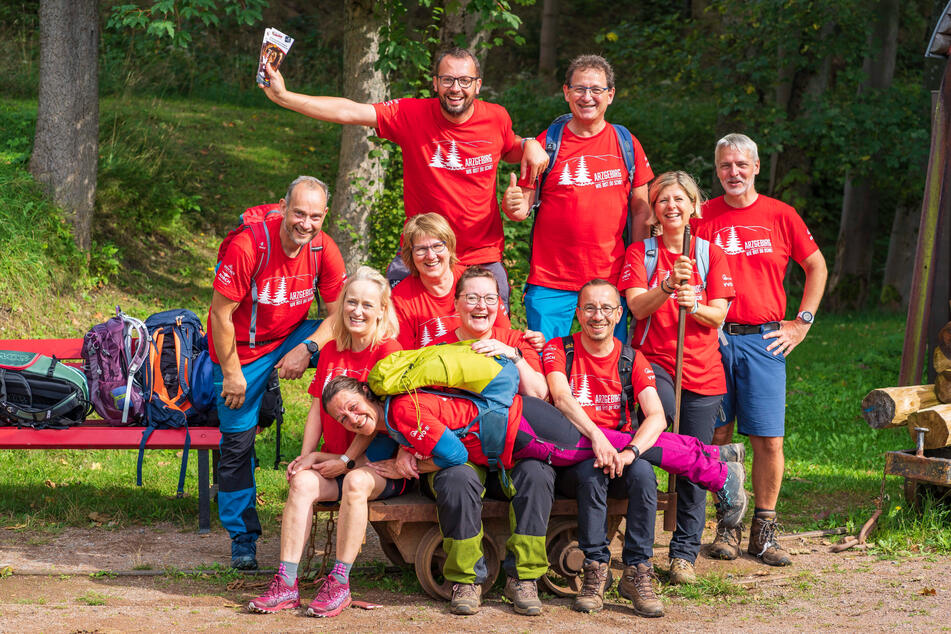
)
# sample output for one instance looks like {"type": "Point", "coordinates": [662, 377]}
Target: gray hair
{"type": "Point", "coordinates": [738, 142]}
{"type": "Point", "coordinates": [312, 182]}
{"type": "Point", "coordinates": [590, 62]}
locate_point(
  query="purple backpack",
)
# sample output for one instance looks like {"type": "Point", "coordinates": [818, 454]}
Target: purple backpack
{"type": "Point", "coordinates": [110, 363]}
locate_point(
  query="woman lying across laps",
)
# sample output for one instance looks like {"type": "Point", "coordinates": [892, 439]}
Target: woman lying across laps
{"type": "Point", "coordinates": [364, 333]}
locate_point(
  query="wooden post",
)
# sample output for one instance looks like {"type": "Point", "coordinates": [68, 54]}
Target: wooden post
{"type": "Point", "coordinates": [890, 406]}
{"type": "Point", "coordinates": [937, 420]}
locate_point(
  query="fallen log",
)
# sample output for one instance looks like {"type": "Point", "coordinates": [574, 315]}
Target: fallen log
{"type": "Point", "coordinates": [942, 386]}
{"type": "Point", "coordinates": [942, 361]}
{"type": "Point", "coordinates": [937, 420]}
{"type": "Point", "coordinates": [890, 406]}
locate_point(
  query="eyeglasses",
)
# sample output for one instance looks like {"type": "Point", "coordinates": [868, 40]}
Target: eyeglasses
{"type": "Point", "coordinates": [579, 91]}
{"type": "Point", "coordinates": [591, 310]}
{"type": "Point", "coordinates": [446, 81]}
{"type": "Point", "coordinates": [435, 247]}
{"type": "Point", "coordinates": [473, 300]}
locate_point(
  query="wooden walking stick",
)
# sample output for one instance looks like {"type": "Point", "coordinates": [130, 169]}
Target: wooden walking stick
{"type": "Point", "coordinates": [670, 513]}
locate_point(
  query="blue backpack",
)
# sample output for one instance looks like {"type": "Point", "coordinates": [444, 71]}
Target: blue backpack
{"type": "Point", "coordinates": [176, 380]}
{"type": "Point", "coordinates": [702, 252]}
{"type": "Point", "coordinates": [553, 143]}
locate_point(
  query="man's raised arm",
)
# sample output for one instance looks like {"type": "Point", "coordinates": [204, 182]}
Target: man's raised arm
{"type": "Point", "coordinates": [332, 109]}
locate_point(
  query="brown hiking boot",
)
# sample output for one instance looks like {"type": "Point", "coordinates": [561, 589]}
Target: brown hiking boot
{"type": "Point", "coordinates": [763, 544]}
{"type": "Point", "coordinates": [466, 598]}
{"type": "Point", "coordinates": [523, 593]}
{"type": "Point", "coordinates": [682, 572]}
{"type": "Point", "coordinates": [637, 584]}
{"type": "Point", "coordinates": [726, 545]}
{"type": "Point", "coordinates": [597, 579]}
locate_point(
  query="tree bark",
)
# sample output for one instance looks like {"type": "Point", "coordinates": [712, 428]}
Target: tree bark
{"type": "Point", "coordinates": [851, 275]}
{"type": "Point", "coordinates": [942, 386]}
{"type": "Point", "coordinates": [937, 420]}
{"type": "Point", "coordinates": [66, 147]}
{"type": "Point", "coordinates": [359, 177]}
{"type": "Point", "coordinates": [902, 243]}
{"type": "Point", "coordinates": [548, 45]}
{"type": "Point", "coordinates": [463, 22]}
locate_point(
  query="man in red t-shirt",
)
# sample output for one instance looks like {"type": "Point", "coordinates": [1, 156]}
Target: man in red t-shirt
{"type": "Point", "coordinates": [586, 200]}
{"type": "Point", "coordinates": [259, 322]}
{"type": "Point", "coordinates": [451, 145]}
{"type": "Point", "coordinates": [592, 400]}
{"type": "Point", "coordinates": [759, 235]}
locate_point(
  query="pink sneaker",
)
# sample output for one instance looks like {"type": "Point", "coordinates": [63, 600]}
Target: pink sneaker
{"type": "Point", "coordinates": [279, 596]}
{"type": "Point", "coordinates": [332, 598]}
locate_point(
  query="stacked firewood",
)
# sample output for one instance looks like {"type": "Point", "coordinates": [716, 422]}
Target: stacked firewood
{"type": "Point", "coordinates": [925, 406]}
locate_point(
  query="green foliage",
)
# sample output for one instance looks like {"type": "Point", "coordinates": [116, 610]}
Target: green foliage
{"type": "Point", "coordinates": [177, 20]}
{"type": "Point", "coordinates": [386, 219]}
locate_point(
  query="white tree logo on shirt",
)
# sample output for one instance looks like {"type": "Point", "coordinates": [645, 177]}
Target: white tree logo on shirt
{"type": "Point", "coordinates": [447, 156]}
{"type": "Point", "coordinates": [582, 390]}
{"type": "Point", "coordinates": [576, 172]}
{"type": "Point", "coordinates": [757, 241]}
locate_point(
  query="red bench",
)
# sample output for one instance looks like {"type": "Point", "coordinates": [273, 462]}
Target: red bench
{"type": "Point", "coordinates": [95, 434]}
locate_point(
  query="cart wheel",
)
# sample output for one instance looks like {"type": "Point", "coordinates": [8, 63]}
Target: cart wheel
{"type": "Point", "coordinates": [565, 558]}
{"type": "Point", "coordinates": [430, 558]}
{"type": "Point", "coordinates": [391, 551]}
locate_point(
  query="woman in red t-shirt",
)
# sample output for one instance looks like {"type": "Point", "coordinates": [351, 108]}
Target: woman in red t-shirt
{"type": "Point", "coordinates": [655, 303]}
{"type": "Point", "coordinates": [364, 332]}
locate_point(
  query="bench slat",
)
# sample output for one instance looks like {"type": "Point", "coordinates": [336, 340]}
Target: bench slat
{"type": "Point", "coordinates": [93, 437]}
{"type": "Point", "coordinates": [62, 348]}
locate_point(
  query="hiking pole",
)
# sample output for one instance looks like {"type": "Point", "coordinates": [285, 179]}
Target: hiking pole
{"type": "Point", "coordinates": [670, 513]}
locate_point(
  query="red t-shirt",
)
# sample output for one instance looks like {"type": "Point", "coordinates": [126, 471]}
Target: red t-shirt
{"type": "Point", "coordinates": [758, 241]}
{"type": "Point", "coordinates": [423, 316]}
{"type": "Point", "coordinates": [333, 363]}
{"type": "Point", "coordinates": [509, 337]}
{"type": "Point", "coordinates": [449, 168]}
{"type": "Point", "coordinates": [423, 419]}
{"type": "Point", "coordinates": [594, 380]}
{"type": "Point", "coordinates": [702, 370]}
{"type": "Point", "coordinates": [579, 228]}
{"type": "Point", "coordinates": [285, 289]}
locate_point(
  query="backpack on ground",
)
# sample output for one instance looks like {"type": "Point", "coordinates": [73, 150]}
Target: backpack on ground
{"type": "Point", "coordinates": [174, 373]}
{"type": "Point", "coordinates": [702, 253]}
{"type": "Point", "coordinates": [489, 382]}
{"type": "Point", "coordinates": [553, 135]}
{"type": "Point", "coordinates": [111, 359]}
{"type": "Point", "coordinates": [41, 392]}
{"type": "Point", "coordinates": [625, 366]}
{"type": "Point", "coordinates": [254, 220]}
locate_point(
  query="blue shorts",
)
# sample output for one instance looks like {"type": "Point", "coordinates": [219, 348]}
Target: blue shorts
{"type": "Point", "coordinates": [755, 386]}
{"type": "Point", "coordinates": [256, 375]}
{"type": "Point", "coordinates": [551, 311]}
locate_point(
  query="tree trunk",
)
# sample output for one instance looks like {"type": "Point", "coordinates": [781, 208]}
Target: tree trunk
{"type": "Point", "coordinates": [461, 21]}
{"type": "Point", "coordinates": [902, 243]}
{"type": "Point", "coordinates": [548, 45]}
{"type": "Point", "coordinates": [359, 177]}
{"type": "Point", "coordinates": [66, 148]}
{"type": "Point", "coordinates": [851, 275]}
{"type": "Point", "coordinates": [890, 406]}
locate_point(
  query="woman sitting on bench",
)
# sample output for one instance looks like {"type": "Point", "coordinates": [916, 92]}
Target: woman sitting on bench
{"type": "Point", "coordinates": [364, 332]}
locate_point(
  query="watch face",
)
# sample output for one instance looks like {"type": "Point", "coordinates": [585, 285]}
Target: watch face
{"type": "Point", "coordinates": [806, 316]}
{"type": "Point", "coordinates": [311, 347]}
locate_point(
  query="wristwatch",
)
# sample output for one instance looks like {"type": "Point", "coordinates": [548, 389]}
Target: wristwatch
{"type": "Point", "coordinates": [312, 347]}
{"type": "Point", "coordinates": [348, 461]}
{"type": "Point", "coordinates": [806, 316]}
{"type": "Point", "coordinates": [633, 449]}
{"type": "Point", "coordinates": [518, 355]}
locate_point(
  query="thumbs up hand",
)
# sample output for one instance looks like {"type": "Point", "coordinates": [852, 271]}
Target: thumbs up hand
{"type": "Point", "coordinates": [513, 200]}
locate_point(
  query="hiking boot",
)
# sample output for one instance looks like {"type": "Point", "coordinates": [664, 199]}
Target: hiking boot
{"type": "Point", "coordinates": [726, 545]}
{"type": "Point", "coordinates": [279, 596]}
{"type": "Point", "coordinates": [243, 551]}
{"type": "Point", "coordinates": [763, 544]}
{"type": "Point", "coordinates": [682, 572]}
{"type": "Point", "coordinates": [731, 499]}
{"type": "Point", "coordinates": [597, 579]}
{"type": "Point", "coordinates": [466, 598]}
{"type": "Point", "coordinates": [523, 593]}
{"type": "Point", "coordinates": [332, 598]}
{"type": "Point", "coordinates": [733, 452]}
{"type": "Point", "coordinates": [637, 584]}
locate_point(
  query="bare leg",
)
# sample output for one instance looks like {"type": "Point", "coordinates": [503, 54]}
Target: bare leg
{"type": "Point", "coordinates": [768, 464]}
{"type": "Point", "coordinates": [723, 435]}
{"type": "Point", "coordinates": [306, 487]}
{"type": "Point", "coordinates": [359, 487]}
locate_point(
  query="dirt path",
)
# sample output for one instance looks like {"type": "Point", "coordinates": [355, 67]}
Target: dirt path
{"type": "Point", "coordinates": [821, 591]}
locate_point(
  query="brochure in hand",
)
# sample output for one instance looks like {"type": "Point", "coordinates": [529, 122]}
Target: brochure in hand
{"type": "Point", "coordinates": [273, 49]}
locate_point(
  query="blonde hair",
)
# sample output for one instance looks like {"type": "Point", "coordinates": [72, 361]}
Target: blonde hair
{"type": "Point", "coordinates": [386, 326]}
{"type": "Point", "coordinates": [431, 224]}
{"type": "Point", "coordinates": [682, 180]}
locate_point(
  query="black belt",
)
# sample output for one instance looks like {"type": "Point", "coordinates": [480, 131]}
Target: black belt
{"type": "Point", "coordinates": [750, 329]}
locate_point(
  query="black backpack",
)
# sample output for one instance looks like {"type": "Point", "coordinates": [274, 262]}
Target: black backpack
{"type": "Point", "coordinates": [41, 392]}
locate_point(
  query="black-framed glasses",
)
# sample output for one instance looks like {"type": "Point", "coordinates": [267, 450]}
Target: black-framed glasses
{"type": "Point", "coordinates": [435, 247]}
{"type": "Point", "coordinates": [446, 81]}
{"type": "Point", "coordinates": [579, 91]}
{"type": "Point", "coordinates": [472, 299]}
{"type": "Point", "coordinates": [591, 310]}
